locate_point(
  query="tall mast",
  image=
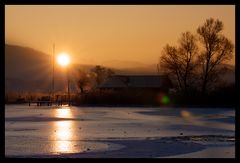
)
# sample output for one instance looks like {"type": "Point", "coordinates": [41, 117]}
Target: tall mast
{"type": "Point", "coordinates": [53, 71]}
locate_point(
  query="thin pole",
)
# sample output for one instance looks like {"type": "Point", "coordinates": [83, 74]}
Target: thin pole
{"type": "Point", "coordinates": [68, 86]}
{"type": "Point", "coordinates": [53, 71]}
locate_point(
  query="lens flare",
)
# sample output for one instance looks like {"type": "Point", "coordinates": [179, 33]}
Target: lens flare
{"type": "Point", "coordinates": [163, 99]}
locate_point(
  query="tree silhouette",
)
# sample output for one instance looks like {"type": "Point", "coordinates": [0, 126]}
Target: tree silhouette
{"type": "Point", "coordinates": [180, 61]}
{"type": "Point", "coordinates": [204, 59]}
{"type": "Point", "coordinates": [217, 49]}
{"type": "Point", "coordinates": [188, 51]}
{"type": "Point", "coordinates": [101, 73]}
{"type": "Point", "coordinates": [83, 80]}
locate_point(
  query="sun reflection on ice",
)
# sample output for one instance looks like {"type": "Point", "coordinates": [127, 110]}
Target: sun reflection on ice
{"type": "Point", "coordinates": [64, 112]}
{"type": "Point", "coordinates": [63, 134]}
{"type": "Point", "coordinates": [63, 130]}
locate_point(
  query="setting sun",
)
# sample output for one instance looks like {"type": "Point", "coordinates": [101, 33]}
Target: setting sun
{"type": "Point", "coordinates": [63, 59]}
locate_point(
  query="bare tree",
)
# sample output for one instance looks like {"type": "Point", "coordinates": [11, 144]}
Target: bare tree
{"type": "Point", "coordinates": [216, 50]}
{"type": "Point", "coordinates": [188, 52]}
{"type": "Point", "coordinates": [101, 73]}
{"type": "Point", "coordinates": [170, 63]}
{"type": "Point", "coordinates": [180, 61]}
{"type": "Point", "coordinates": [83, 80]}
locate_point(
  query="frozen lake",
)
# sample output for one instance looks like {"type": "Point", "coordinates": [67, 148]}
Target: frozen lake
{"type": "Point", "coordinates": [118, 132]}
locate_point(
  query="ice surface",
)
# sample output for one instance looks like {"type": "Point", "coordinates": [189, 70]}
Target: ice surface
{"type": "Point", "coordinates": [49, 131]}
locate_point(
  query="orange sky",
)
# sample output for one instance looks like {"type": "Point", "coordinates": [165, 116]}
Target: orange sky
{"type": "Point", "coordinates": [93, 34]}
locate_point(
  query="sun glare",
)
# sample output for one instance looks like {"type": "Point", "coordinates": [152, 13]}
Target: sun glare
{"type": "Point", "coordinates": [63, 59]}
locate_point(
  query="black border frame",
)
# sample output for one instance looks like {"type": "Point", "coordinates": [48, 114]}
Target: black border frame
{"type": "Point", "coordinates": [126, 2]}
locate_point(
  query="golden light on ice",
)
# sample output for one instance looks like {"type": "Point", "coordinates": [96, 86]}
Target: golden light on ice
{"type": "Point", "coordinates": [63, 132]}
{"type": "Point", "coordinates": [63, 59]}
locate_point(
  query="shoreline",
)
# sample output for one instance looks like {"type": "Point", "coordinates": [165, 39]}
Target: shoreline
{"type": "Point", "coordinates": [140, 106]}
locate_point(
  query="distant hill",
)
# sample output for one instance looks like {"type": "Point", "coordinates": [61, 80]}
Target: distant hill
{"type": "Point", "coordinates": [21, 61]}
{"type": "Point", "coordinates": [123, 64]}
{"type": "Point", "coordinates": [27, 69]}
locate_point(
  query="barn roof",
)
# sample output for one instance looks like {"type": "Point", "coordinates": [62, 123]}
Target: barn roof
{"type": "Point", "coordinates": [136, 81]}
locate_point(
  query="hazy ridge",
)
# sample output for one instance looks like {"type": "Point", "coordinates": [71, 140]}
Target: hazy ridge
{"type": "Point", "coordinates": [27, 69]}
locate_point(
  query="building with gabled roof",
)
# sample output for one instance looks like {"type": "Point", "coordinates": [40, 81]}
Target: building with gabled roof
{"type": "Point", "coordinates": [137, 82]}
